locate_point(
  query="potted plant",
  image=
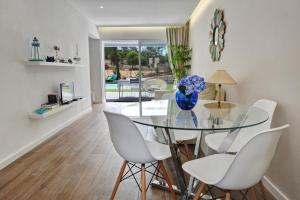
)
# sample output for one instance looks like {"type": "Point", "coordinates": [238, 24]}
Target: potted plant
{"type": "Point", "coordinates": [181, 57]}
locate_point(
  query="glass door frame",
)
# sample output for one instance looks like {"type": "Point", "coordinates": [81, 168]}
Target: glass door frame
{"type": "Point", "coordinates": [139, 45]}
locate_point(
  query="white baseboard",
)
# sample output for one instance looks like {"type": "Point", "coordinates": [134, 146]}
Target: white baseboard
{"type": "Point", "coordinates": [8, 160]}
{"type": "Point", "coordinates": [273, 189]}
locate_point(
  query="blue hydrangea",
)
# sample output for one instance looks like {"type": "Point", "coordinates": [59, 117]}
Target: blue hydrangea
{"type": "Point", "coordinates": [182, 82]}
{"type": "Point", "coordinates": [190, 84]}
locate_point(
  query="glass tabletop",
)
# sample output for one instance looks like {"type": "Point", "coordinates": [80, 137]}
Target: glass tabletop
{"type": "Point", "coordinates": [204, 116]}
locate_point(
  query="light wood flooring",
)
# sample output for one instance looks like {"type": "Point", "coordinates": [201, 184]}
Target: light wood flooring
{"type": "Point", "coordinates": [77, 163]}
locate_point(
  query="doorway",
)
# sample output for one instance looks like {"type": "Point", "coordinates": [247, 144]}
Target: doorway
{"type": "Point", "coordinates": [129, 64]}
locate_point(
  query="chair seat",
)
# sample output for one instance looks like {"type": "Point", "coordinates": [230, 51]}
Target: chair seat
{"type": "Point", "coordinates": [158, 151]}
{"type": "Point", "coordinates": [184, 135]}
{"type": "Point", "coordinates": [210, 169]}
{"type": "Point", "coordinates": [215, 140]}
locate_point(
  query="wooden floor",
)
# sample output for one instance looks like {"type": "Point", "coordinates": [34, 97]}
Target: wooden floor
{"type": "Point", "coordinates": [78, 163]}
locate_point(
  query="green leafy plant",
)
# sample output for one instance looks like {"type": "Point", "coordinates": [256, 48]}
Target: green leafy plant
{"type": "Point", "coordinates": [181, 57]}
{"type": "Point", "coordinates": [114, 59]}
{"type": "Point", "coordinates": [132, 58]}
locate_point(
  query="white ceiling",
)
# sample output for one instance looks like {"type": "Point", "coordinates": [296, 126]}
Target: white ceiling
{"type": "Point", "coordinates": [136, 12]}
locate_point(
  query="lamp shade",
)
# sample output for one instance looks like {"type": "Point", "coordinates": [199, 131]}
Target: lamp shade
{"type": "Point", "coordinates": [221, 77]}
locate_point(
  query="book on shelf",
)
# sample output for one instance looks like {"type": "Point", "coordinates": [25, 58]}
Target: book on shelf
{"type": "Point", "coordinates": [41, 111]}
{"type": "Point", "coordinates": [49, 106]}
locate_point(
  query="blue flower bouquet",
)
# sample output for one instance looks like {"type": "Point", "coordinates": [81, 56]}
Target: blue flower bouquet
{"type": "Point", "coordinates": [188, 89]}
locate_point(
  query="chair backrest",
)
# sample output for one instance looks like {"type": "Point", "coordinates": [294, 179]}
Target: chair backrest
{"type": "Point", "coordinates": [252, 161]}
{"type": "Point", "coordinates": [269, 106]}
{"type": "Point", "coordinates": [127, 139]}
{"type": "Point", "coordinates": [246, 134]}
{"type": "Point", "coordinates": [152, 84]}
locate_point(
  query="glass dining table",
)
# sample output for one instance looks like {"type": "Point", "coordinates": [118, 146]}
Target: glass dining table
{"type": "Point", "coordinates": [205, 116]}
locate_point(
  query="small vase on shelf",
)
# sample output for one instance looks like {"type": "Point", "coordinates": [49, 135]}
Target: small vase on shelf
{"type": "Point", "coordinates": [188, 89]}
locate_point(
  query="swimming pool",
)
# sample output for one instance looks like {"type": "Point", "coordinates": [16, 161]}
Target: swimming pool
{"type": "Point", "coordinates": [111, 86]}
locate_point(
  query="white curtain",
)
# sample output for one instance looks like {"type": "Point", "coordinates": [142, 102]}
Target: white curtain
{"type": "Point", "coordinates": [177, 35]}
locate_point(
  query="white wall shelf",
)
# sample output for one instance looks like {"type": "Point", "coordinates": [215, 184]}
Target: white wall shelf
{"type": "Point", "coordinates": [61, 108]}
{"type": "Point", "coordinates": [51, 64]}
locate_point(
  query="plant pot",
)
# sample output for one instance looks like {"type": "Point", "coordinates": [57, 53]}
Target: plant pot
{"type": "Point", "coordinates": [186, 102]}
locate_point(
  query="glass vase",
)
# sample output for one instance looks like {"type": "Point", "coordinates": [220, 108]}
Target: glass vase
{"type": "Point", "coordinates": [186, 102]}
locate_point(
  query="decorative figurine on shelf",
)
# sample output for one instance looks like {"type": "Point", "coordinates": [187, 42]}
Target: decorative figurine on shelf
{"type": "Point", "coordinates": [56, 49]}
{"type": "Point", "coordinates": [50, 59]}
{"type": "Point", "coordinates": [61, 60]}
{"type": "Point", "coordinates": [35, 56]}
{"type": "Point", "coordinates": [76, 58]}
{"type": "Point", "coordinates": [188, 89]}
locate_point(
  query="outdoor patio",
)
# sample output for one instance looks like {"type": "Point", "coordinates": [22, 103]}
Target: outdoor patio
{"type": "Point", "coordinates": [128, 93]}
{"type": "Point", "coordinates": [122, 70]}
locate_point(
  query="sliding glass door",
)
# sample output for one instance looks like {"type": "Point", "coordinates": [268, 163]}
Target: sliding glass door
{"type": "Point", "coordinates": [129, 64]}
{"type": "Point", "coordinates": [121, 67]}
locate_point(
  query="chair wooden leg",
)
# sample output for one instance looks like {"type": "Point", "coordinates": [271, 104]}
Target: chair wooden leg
{"type": "Point", "coordinates": [143, 182]}
{"type": "Point", "coordinates": [187, 151]}
{"type": "Point", "coordinates": [167, 177]}
{"type": "Point", "coordinates": [227, 196]}
{"type": "Point", "coordinates": [253, 193]}
{"type": "Point", "coordinates": [199, 191]}
{"type": "Point", "coordinates": [262, 188]}
{"type": "Point", "coordinates": [118, 180]}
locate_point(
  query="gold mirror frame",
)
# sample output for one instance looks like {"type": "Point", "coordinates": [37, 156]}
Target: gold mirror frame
{"type": "Point", "coordinates": [216, 35]}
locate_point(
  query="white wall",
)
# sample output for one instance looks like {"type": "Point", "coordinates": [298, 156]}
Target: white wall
{"type": "Point", "coordinates": [133, 33]}
{"type": "Point", "coordinates": [261, 52]}
{"type": "Point", "coordinates": [22, 88]}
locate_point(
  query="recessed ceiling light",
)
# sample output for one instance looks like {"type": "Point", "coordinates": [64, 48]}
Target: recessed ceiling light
{"type": "Point", "coordinates": [101, 6]}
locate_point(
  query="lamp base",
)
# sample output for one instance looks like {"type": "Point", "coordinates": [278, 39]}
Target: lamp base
{"type": "Point", "coordinates": [219, 105]}
{"type": "Point", "coordinates": [219, 109]}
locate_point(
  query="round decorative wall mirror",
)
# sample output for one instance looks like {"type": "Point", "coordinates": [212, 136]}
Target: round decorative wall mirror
{"type": "Point", "coordinates": [216, 35]}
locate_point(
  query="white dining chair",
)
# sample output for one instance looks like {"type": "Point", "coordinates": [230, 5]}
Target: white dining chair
{"type": "Point", "coordinates": [182, 136]}
{"type": "Point", "coordinates": [135, 150]}
{"type": "Point", "coordinates": [236, 172]}
{"type": "Point", "coordinates": [151, 85]}
{"type": "Point", "coordinates": [147, 132]}
{"type": "Point", "coordinates": [215, 140]}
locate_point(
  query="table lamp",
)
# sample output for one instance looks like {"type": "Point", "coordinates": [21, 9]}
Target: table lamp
{"type": "Point", "coordinates": [221, 77]}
